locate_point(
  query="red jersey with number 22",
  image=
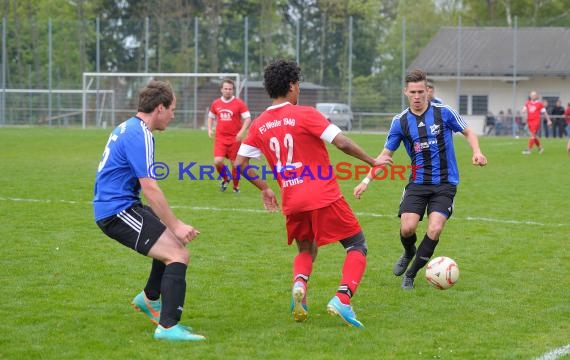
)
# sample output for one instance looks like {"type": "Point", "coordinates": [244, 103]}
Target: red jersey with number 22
{"type": "Point", "coordinates": [291, 138]}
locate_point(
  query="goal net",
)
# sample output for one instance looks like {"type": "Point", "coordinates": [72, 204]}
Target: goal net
{"type": "Point", "coordinates": [194, 94]}
{"type": "Point", "coordinates": [60, 107]}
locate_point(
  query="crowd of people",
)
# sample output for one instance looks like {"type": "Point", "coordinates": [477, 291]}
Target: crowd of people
{"type": "Point", "coordinates": [290, 137]}
{"type": "Point", "coordinates": [502, 123]}
{"type": "Point", "coordinates": [534, 120]}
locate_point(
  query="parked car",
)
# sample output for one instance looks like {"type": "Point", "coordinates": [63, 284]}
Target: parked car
{"type": "Point", "coordinates": [337, 113]}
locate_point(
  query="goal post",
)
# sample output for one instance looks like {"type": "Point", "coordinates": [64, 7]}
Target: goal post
{"type": "Point", "coordinates": [194, 93]}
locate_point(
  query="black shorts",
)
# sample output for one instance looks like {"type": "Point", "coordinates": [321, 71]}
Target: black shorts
{"type": "Point", "coordinates": [418, 197]}
{"type": "Point", "coordinates": [137, 228]}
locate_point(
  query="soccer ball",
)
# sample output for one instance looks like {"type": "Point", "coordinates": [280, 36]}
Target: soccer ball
{"type": "Point", "coordinates": [442, 272]}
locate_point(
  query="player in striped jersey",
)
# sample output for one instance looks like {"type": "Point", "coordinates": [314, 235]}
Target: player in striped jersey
{"type": "Point", "coordinates": [426, 130]}
{"type": "Point", "coordinates": [125, 169]}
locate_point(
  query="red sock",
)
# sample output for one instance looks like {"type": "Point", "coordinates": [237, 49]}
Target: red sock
{"type": "Point", "coordinates": [530, 143]}
{"type": "Point", "coordinates": [223, 171]}
{"type": "Point", "coordinates": [235, 177]}
{"type": "Point", "coordinates": [302, 267]}
{"type": "Point", "coordinates": [537, 142]}
{"type": "Point", "coordinates": [352, 271]}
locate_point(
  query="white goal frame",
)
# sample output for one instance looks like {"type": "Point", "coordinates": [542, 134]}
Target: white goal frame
{"type": "Point", "coordinates": [87, 85]}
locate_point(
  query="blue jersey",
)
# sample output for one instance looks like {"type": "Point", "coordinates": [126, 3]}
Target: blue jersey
{"type": "Point", "coordinates": [128, 156]}
{"type": "Point", "coordinates": [428, 139]}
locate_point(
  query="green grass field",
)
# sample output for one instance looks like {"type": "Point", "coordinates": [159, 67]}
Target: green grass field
{"type": "Point", "coordinates": [66, 288]}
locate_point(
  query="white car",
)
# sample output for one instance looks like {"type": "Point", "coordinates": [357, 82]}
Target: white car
{"type": "Point", "coordinates": [337, 113]}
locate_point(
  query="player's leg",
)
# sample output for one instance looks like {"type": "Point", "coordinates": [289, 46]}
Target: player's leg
{"type": "Point", "coordinates": [533, 129]}
{"type": "Point", "coordinates": [151, 292]}
{"type": "Point", "coordinates": [353, 267]}
{"type": "Point", "coordinates": [352, 272]}
{"type": "Point", "coordinates": [139, 229]}
{"type": "Point", "coordinates": [439, 209]}
{"type": "Point", "coordinates": [232, 154]}
{"type": "Point", "coordinates": [220, 152]}
{"type": "Point", "coordinates": [302, 269]}
{"type": "Point", "coordinates": [299, 227]}
{"type": "Point", "coordinates": [333, 223]}
{"type": "Point", "coordinates": [175, 256]}
{"type": "Point", "coordinates": [412, 208]}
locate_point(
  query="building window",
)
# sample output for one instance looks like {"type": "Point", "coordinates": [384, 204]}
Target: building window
{"type": "Point", "coordinates": [479, 104]}
{"type": "Point", "coordinates": [463, 104]}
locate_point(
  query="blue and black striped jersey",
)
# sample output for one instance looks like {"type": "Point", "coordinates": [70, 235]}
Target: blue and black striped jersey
{"type": "Point", "coordinates": [428, 139]}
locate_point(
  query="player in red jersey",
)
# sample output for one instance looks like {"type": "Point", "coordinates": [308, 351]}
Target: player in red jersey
{"type": "Point", "coordinates": [233, 119]}
{"type": "Point", "coordinates": [292, 140]}
{"type": "Point", "coordinates": [534, 108]}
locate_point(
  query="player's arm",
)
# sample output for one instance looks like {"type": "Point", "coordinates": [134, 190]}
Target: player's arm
{"type": "Point", "coordinates": [211, 118]}
{"type": "Point", "coordinates": [548, 121]}
{"type": "Point", "coordinates": [159, 205]}
{"type": "Point", "coordinates": [478, 158]}
{"type": "Point", "coordinates": [250, 173]}
{"type": "Point", "coordinates": [385, 158]}
{"type": "Point", "coordinates": [243, 131]}
{"type": "Point", "coordinates": [349, 147]}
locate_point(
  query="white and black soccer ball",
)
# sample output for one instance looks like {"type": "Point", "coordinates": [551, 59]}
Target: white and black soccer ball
{"type": "Point", "coordinates": [442, 272]}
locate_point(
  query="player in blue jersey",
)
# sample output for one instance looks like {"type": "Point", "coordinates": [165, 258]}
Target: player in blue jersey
{"type": "Point", "coordinates": [426, 130]}
{"type": "Point", "coordinates": [125, 169]}
{"type": "Point", "coordinates": [431, 92]}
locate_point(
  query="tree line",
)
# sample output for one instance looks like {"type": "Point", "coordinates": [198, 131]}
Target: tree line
{"type": "Point", "coordinates": [170, 35]}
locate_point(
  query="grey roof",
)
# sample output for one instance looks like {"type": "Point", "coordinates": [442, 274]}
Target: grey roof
{"type": "Point", "coordinates": [488, 51]}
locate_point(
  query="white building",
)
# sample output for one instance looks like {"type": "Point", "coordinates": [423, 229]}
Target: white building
{"type": "Point", "coordinates": [481, 78]}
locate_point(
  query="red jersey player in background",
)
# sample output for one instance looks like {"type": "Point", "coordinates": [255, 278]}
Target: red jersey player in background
{"type": "Point", "coordinates": [292, 140]}
{"type": "Point", "coordinates": [233, 119]}
{"type": "Point", "coordinates": [534, 108]}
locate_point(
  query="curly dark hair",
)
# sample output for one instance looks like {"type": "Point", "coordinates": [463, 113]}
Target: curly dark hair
{"type": "Point", "coordinates": [156, 92]}
{"type": "Point", "coordinates": [278, 77]}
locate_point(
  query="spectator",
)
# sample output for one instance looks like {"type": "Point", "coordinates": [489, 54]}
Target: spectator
{"type": "Point", "coordinates": [490, 122]}
{"type": "Point", "coordinates": [567, 117]}
{"type": "Point", "coordinates": [520, 124]}
{"type": "Point", "coordinates": [544, 128]}
{"type": "Point", "coordinates": [558, 121]}
{"type": "Point", "coordinates": [500, 123]}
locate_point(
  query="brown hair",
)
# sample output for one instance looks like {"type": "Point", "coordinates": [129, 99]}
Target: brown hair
{"type": "Point", "coordinates": [156, 92]}
{"type": "Point", "coordinates": [416, 75]}
{"type": "Point", "coordinates": [227, 81]}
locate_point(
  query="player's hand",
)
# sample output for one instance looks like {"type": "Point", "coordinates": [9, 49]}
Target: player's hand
{"type": "Point", "coordinates": [269, 200]}
{"type": "Point", "coordinates": [185, 233]}
{"type": "Point", "coordinates": [210, 133]}
{"type": "Point", "coordinates": [383, 160]}
{"type": "Point", "coordinates": [359, 189]}
{"type": "Point", "coordinates": [240, 136]}
{"type": "Point", "coordinates": [479, 159]}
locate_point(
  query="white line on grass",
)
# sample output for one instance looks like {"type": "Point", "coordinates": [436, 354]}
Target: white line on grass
{"type": "Point", "coordinates": [206, 208]}
{"type": "Point", "coordinates": [556, 353]}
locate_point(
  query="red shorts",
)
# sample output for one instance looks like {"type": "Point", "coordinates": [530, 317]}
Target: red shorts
{"type": "Point", "coordinates": [226, 147]}
{"type": "Point", "coordinates": [533, 127]}
{"type": "Point", "coordinates": [325, 225]}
